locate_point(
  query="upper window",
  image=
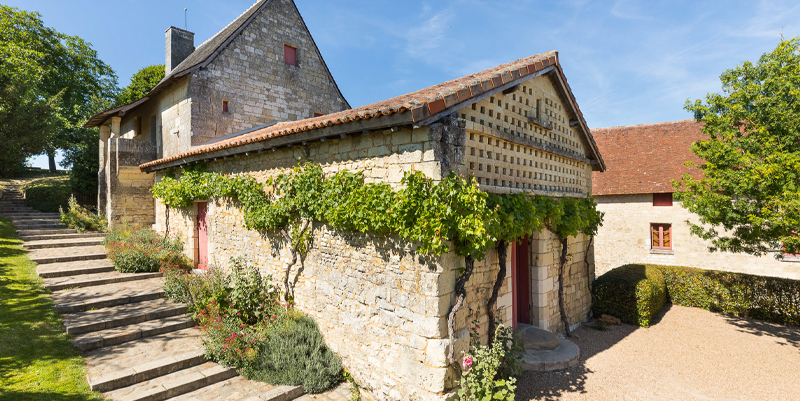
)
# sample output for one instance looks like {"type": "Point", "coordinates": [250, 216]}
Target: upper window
{"type": "Point", "coordinates": [662, 199]}
{"type": "Point", "coordinates": [290, 55]}
{"type": "Point", "coordinates": [661, 236]}
{"type": "Point", "coordinates": [225, 106]}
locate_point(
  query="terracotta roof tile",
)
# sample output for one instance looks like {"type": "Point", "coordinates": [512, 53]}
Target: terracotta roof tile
{"type": "Point", "coordinates": [645, 158]}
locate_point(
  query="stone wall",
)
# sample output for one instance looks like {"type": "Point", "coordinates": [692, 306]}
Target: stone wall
{"type": "Point", "coordinates": [625, 238]}
{"type": "Point", "coordinates": [128, 197]}
{"type": "Point", "coordinates": [260, 87]}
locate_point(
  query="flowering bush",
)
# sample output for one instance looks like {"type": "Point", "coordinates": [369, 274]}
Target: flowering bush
{"type": "Point", "coordinates": [487, 370]}
{"type": "Point", "coordinates": [197, 290]}
{"type": "Point", "coordinates": [81, 218]}
{"type": "Point", "coordinates": [251, 295]}
{"type": "Point", "coordinates": [144, 250]}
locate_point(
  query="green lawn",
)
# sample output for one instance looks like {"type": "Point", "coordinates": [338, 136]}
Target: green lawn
{"type": "Point", "coordinates": [37, 360]}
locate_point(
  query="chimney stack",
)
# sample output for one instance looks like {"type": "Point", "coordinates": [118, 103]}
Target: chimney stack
{"type": "Point", "coordinates": [179, 45]}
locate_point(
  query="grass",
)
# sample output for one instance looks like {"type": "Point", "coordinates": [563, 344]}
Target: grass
{"type": "Point", "coordinates": [37, 360]}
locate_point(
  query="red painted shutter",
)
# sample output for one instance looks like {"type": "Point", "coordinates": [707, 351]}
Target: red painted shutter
{"type": "Point", "coordinates": [290, 55]}
{"type": "Point", "coordinates": [662, 199]}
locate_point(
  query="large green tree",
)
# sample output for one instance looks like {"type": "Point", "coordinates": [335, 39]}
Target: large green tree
{"type": "Point", "coordinates": [67, 69]}
{"type": "Point", "coordinates": [141, 82]}
{"type": "Point", "coordinates": [749, 197]}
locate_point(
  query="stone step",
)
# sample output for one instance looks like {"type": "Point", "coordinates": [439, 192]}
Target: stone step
{"type": "Point", "coordinates": [93, 279]}
{"type": "Point", "coordinates": [534, 338]}
{"type": "Point", "coordinates": [25, 233]}
{"type": "Point", "coordinates": [132, 332]}
{"type": "Point", "coordinates": [565, 355]}
{"type": "Point", "coordinates": [36, 219]}
{"type": "Point", "coordinates": [239, 388]}
{"type": "Point", "coordinates": [63, 243]}
{"type": "Point", "coordinates": [62, 236]}
{"type": "Point", "coordinates": [68, 254]}
{"type": "Point", "coordinates": [146, 370]}
{"type": "Point", "coordinates": [76, 268]}
{"type": "Point", "coordinates": [173, 384]}
{"type": "Point", "coordinates": [22, 213]}
{"type": "Point", "coordinates": [39, 226]}
{"type": "Point", "coordinates": [122, 315]}
{"type": "Point", "coordinates": [104, 296]}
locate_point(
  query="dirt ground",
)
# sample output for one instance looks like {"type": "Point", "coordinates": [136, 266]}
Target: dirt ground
{"type": "Point", "coordinates": [688, 354]}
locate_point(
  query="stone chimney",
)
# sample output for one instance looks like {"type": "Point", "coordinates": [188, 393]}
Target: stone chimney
{"type": "Point", "coordinates": [180, 44]}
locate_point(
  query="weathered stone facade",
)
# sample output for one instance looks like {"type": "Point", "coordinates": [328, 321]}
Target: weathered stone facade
{"type": "Point", "coordinates": [382, 307]}
{"type": "Point", "coordinates": [625, 238]}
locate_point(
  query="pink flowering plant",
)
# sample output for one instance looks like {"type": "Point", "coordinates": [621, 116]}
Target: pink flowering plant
{"type": "Point", "coordinates": [144, 250]}
{"type": "Point", "coordinates": [487, 370]}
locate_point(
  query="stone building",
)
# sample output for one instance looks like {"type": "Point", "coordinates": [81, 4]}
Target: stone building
{"type": "Point", "coordinates": [262, 68]}
{"type": "Point", "coordinates": [381, 307]}
{"type": "Point", "coordinates": [642, 222]}
{"type": "Point", "coordinates": [257, 99]}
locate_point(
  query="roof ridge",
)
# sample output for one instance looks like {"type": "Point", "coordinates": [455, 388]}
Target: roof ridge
{"type": "Point", "coordinates": [644, 125]}
{"type": "Point", "coordinates": [229, 24]}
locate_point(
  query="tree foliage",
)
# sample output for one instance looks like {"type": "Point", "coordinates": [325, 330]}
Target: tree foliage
{"type": "Point", "coordinates": [749, 197]}
{"type": "Point", "coordinates": [142, 82]}
{"type": "Point", "coordinates": [65, 72]}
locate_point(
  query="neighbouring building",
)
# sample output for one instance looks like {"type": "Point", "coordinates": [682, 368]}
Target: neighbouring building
{"type": "Point", "coordinates": [643, 224]}
{"type": "Point", "coordinates": [380, 306]}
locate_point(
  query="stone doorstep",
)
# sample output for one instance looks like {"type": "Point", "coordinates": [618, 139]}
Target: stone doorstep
{"type": "Point", "coordinates": [173, 384]}
{"type": "Point", "coordinates": [146, 371]}
{"type": "Point", "coordinates": [70, 258]}
{"type": "Point", "coordinates": [566, 355]}
{"type": "Point", "coordinates": [119, 335]}
{"type": "Point", "coordinates": [282, 393]}
{"type": "Point", "coordinates": [24, 233]}
{"type": "Point", "coordinates": [63, 243]}
{"type": "Point", "coordinates": [122, 315]}
{"type": "Point", "coordinates": [75, 271]}
{"type": "Point", "coordinates": [89, 280]}
{"type": "Point", "coordinates": [61, 236]}
{"type": "Point", "coordinates": [109, 301]}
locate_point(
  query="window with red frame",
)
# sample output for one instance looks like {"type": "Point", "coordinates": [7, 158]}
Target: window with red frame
{"type": "Point", "coordinates": [225, 106]}
{"type": "Point", "coordinates": [290, 55]}
{"type": "Point", "coordinates": [662, 199]}
{"type": "Point", "coordinates": [661, 236]}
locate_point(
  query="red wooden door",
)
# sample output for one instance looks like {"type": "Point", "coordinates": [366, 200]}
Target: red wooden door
{"type": "Point", "coordinates": [202, 236]}
{"type": "Point", "coordinates": [521, 283]}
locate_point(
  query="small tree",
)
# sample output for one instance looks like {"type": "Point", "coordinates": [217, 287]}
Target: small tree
{"type": "Point", "coordinates": [749, 197]}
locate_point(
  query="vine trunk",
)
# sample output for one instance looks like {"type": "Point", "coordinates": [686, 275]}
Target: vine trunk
{"type": "Point", "coordinates": [461, 294]}
{"type": "Point", "coordinates": [501, 248]}
{"type": "Point", "coordinates": [588, 275]}
{"type": "Point", "coordinates": [562, 263]}
{"type": "Point", "coordinates": [295, 244]}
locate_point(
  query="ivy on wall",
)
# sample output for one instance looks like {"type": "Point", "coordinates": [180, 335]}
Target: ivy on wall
{"type": "Point", "coordinates": [434, 215]}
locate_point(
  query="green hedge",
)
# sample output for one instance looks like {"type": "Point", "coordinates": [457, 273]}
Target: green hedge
{"type": "Point", "coordinates": [767, 298]}
{"type": "Point", "coordinates": [633, 293]}
{"type": "Point", "coordinates": [47, 194]}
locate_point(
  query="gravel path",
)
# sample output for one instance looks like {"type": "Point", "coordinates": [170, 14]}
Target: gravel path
{"type": "Point", "coordinates": [690, 354]}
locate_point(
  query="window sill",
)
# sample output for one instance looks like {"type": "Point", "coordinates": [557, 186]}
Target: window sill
{"type": "Point", "coordinates": [662, 251]}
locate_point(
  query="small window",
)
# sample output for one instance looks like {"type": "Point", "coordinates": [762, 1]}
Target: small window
{"type": "Point", "coordinates": [318, 114]}
{"type": "Point", "coordinates": [290, 55]}
{"type": "Point", "coordinates": [225, 106]}
{"type": "Point", "coordinates": [662, 199]}
{"type": "Point", "coordinates": [661, 236]}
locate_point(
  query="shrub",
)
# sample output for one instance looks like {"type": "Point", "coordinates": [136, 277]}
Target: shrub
{"type": "Point", "coordinates": [144, 250]}
{"type": "Point", "coordinates": [81, 218]}
{"type": "Point", "coordinates": [294, 353]}
{"type": "Point", "coordinates": [47, 194]}
{"type": "Point", "coordinates": [486, 370]}
{"type": "Point", "coordinates": [251, 296]}
{"type": "Point", "coordinates": [767, 298]}
{"type": "Point", "coordinates": [633, 293]}
{"type": "Point", "coordinates": [197, 290]}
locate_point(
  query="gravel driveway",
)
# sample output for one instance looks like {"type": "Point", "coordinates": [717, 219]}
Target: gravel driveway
{"type": "Point", "coordinates": [690, 354]}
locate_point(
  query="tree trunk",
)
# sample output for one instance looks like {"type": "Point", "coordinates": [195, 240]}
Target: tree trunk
{"type": "Point", "coordinates": [51, 160]}
{"type": "Point", "coordinates": [461, 294]}
{"type": "Point", "coordinates": [563, 262]}
{"type": "Point", "coordinates": [498, 282]}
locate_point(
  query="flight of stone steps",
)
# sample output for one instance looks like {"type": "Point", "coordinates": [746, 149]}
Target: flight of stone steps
{"type": "Point", "coordinates": [137, 344]}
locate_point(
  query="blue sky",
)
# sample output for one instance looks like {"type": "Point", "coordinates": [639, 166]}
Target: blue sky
{"type": "Point", "coordinates": [628, 62]}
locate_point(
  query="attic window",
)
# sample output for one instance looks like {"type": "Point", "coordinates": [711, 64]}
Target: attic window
{"type": "Point", "coordinates": [318, 114]}
{"type": "Point", "coordinates": [225, 105]}
{"type": "Point", "coordinates": [290, 55]}
{"type": "Point", "coordinates": [663, 199]}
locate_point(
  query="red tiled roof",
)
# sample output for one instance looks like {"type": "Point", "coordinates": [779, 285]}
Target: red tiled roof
{"type": "Point", "coordinates": [645, 158]}
{"type": "Point", "coordinates": [419, 105]}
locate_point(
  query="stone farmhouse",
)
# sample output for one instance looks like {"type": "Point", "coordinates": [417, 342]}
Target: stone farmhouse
{"type": "Point", "coordinates": [246, 102]}
{"type": "Point", "coordinates": [642, 222]}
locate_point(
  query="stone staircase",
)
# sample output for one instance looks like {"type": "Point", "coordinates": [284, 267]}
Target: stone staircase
{"type": "Point", "coordinates": [138, 345]}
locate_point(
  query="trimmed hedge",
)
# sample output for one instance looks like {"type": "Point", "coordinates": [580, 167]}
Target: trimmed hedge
{"type": "Point", "coordinates": [767, 298]}
{"type": "Point", "coordinates": [633, 293]}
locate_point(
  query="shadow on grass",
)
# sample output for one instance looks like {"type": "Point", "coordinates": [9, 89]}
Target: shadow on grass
{"type": "Point", "coordinates": [790, 335]}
